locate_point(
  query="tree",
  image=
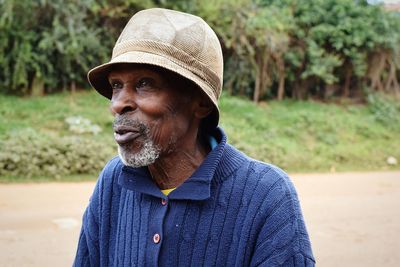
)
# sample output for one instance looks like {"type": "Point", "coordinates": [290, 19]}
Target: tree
{"type": "Point", "coordinates": [272, 48]}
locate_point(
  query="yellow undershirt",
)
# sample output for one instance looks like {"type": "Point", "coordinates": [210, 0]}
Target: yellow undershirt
{"type": "Point", "coordinates": [213, 144]}
{"type": "Point", "coordinates": [167, 191]}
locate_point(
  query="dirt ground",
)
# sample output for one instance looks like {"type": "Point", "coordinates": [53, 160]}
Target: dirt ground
{"type": "Point", "coordinates": [353, 219]}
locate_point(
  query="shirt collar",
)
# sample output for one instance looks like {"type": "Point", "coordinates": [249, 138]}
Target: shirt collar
{"type": "Point", "coordinates": [196, 187]}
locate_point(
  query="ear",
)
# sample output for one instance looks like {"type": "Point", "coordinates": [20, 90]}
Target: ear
{"type": "Point", "coordinates": [203, 107]}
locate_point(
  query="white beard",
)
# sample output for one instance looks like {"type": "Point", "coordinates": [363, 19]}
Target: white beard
{"type": "Point", "coordinates": [146, 156]}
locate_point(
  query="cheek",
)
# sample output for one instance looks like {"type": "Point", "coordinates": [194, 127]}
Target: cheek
{"type": "Point", "coordinates": [155, 133]}
{"type": "Point", "coordinates": [154, 107]}
{"type": "Point", "coordinates": [166, 131]}
{"type": "Point", "coordinates": [161, 105]}
{"type": "Point", "coordinates": [167, 120]}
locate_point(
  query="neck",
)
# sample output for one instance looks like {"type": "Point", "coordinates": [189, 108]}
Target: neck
{"type": "Point", "coordinates": [172, 170]}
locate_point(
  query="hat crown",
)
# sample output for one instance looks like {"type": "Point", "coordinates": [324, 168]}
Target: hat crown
{"type": "Point", "coordinates": [184, 33]}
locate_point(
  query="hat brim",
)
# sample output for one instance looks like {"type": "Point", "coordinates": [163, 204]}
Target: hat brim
{"type": "Point", "coordinates": [98, 76]}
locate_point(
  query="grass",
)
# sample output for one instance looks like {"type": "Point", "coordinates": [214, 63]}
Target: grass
{"type": "Point", "coordinates": [310, 136]}
{"type": "Point", "coordinates": [47, 114]}
{"type": "Point", "coordinates": [298, 136]}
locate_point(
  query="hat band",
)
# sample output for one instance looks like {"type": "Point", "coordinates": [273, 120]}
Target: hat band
{"type": "Point", "coordinates": [177, 56]}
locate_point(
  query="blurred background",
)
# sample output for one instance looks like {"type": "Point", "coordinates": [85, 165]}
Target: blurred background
{"type": "Point", "coordinates": [309, 85]}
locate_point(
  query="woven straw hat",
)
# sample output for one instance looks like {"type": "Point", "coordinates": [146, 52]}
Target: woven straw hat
{"type": "Point", "coordinates": [173, 40]}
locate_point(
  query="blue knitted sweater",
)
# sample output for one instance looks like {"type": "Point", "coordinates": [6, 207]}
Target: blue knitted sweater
{"type": "Point", "coordinates": [233, 211]}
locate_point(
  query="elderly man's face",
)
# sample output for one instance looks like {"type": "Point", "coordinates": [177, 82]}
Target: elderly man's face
{"type": "Point", "coordinates": [153, 112]}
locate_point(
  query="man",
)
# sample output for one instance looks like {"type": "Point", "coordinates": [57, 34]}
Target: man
{"type": "Point", "coordinates": [178, 194]}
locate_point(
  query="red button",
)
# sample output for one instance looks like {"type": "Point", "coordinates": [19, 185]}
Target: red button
{"type": "Point", "coordinates": [156, 238]}
{"type": "Point", "coordinates": [163, 202]}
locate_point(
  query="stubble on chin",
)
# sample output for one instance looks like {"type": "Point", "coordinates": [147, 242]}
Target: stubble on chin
{"type": "Point", "coordinates": [147, 154]}
{"type": "Point", "coordinates": [137, 153]}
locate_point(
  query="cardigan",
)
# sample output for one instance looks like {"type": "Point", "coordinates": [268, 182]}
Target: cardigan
{"type": "Point", "coordinates": [232, 211]}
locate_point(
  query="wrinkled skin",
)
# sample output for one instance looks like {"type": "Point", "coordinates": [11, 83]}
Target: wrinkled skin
{"type": "Point", "coordinates": [157, 119]}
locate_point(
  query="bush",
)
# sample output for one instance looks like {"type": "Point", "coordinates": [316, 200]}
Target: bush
{"type": "Point", "coordinates": [31, 154]}
{"type": "Point", "coordinates": [384, 109]}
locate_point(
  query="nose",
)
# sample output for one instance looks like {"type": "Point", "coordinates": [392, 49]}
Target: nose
{"type": "Point", "coordinates": [123, 101]}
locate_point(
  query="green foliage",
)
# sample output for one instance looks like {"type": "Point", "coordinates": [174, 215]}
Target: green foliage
{"type": "Point", "coordinates": [17, 38]}
{"type": "Point", "coordinates": [29, 153]}
{"type": "Point", "coordinates": [70, 45]}
{"type": "Point", "coordinates": [255, 39]}
{"type": "Point", "coordinates": [321, 64]}
{"type": "Point", "coordinates": [385, 110]}
{"type": "Point", "coordinates": [52, 46]}
{"type": "Point", "coordinates": [272, 48]}
{"type": "Point", "coordinates": [301, 45]}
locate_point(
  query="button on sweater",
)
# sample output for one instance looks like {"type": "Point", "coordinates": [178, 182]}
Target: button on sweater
{"type": "Point", "coordinates": [233, 211]}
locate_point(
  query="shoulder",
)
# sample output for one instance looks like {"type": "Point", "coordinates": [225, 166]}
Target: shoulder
{"type": "Point", "coordinates": [108, 179]}
{"type": "Point", "coordinates": [271, 176]}
{"type": "Point", "coordinates": [264, 187]}
{"type": "Point", "coordinates": [278, 198]}
{"type": "Point", "coordinates": [111, 171]}
{"type": "Point", "coordinates": [113, 167]}
{"type": "Point", "coordinates": [266, 178]}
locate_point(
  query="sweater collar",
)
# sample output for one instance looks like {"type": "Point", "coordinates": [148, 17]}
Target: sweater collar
{"type": "Point", "coordinates": [196, 187]}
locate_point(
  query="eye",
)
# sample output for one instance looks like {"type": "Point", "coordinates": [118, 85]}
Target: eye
{"type": "Point", "coordinates": [144, 83]}
{"type": "Point", "coordinates": [115, 85]}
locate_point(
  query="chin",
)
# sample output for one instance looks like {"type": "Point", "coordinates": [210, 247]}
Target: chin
{"type": "Point", "coordinates": [147, 155]}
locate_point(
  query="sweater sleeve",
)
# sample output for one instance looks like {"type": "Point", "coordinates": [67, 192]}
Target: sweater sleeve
{"type": "Point", "coordinates": [88, 250]}
{"type": "Point", "coordinates": [283, 239]}
{"type": "Point", "coordinates": [88, 245]}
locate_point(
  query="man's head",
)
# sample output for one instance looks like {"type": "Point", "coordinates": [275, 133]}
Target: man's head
{"type": "Point", "coordinates": [176, 41]}
{"type": "Point", "coordinates": [164, 80]}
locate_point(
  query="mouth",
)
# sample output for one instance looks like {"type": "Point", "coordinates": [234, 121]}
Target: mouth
{"type": "Point", "coordinates": [124, 134]}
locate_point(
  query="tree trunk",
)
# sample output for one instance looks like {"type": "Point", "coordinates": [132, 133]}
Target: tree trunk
{"type": "Point", "coordinates": [391, 82]}
{"type": "Point", "coordinates": [377, 66]}
{"type": "Point", "coordinates": [256, 93]}
{"type": "Point", "coordinates": [301, 89]}
{"type": "Point", "coordinates": [37, 87]}
{"type": "Point", "coordinates": [259, 79]}
{"type": "Point", "coordinates": [281, 87]}
{"type": "Point", "coordinates": [346, 87]}
{"type": "Point", "coordinates": [73, 87]}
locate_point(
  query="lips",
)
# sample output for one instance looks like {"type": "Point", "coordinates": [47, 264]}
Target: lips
{"type": "Point", "coordinates": [124, 134]}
